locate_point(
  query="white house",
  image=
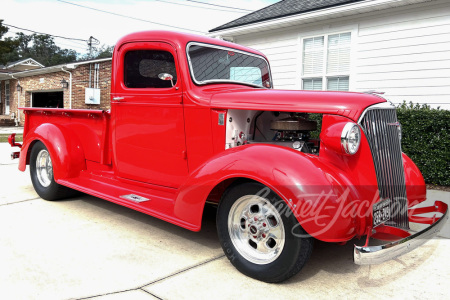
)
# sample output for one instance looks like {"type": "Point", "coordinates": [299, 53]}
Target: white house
{"type": "Point", "coordinates": [399, 47]}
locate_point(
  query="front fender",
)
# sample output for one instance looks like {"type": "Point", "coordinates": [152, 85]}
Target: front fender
{"type": "Point", "coordinates": [65, 150]}
{"type": "Point", "coordinates": [415, 185]}
{"type": "Point", "coordinates": [312, 189]}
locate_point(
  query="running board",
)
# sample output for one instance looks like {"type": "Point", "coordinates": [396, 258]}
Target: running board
{"type": "Point", "coordinates": [155, 202]}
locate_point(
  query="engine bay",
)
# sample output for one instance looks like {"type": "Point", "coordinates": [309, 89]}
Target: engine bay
{"type": "Point", "coordinates": [288, 129]}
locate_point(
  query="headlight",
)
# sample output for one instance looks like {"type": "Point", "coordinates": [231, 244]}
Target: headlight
{"type": "Point", "coordinates": [351, 138]}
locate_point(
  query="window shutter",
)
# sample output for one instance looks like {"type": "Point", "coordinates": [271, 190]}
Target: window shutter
{"type": "Point", "coordinates": [338, 84]}
{"type": "Point", "coordinates": [339, 53]}
{"type": "Point", "coordinates": [313, 84]}
{"type": "Point", "coordinates": [313, 53]}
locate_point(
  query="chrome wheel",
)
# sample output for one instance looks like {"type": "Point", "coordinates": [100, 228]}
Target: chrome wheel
{"type": "Point", "coordinates": [256, 229]}
{"type": "Point", "coordinates": [44, 168]}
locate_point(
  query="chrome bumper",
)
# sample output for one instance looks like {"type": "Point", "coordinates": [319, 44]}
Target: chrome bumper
{"type": "Point", "coordinates": [371, 255]}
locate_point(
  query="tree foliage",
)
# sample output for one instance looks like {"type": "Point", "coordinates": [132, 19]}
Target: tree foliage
{"type": "Point", "coordinates": [42, 48]}
{"type": "Point", "coordinates": [103, 51]}
{"type": "Point", "coordinates": [7, 45]}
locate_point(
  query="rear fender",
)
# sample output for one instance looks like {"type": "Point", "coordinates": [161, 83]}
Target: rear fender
{"type": "Point", "coordinates": [299, 179]}
{"type": "Point", "coordinates": [65, 150]}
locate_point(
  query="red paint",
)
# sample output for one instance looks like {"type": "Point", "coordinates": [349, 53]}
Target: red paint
{"type": "Point", "coordinates": [12, 141]}
{"type": "Point", "coordinates": [168, 145]}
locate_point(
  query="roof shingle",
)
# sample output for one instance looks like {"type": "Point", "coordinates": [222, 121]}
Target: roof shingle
{"type": "Point", "coordinates": [283, 9]}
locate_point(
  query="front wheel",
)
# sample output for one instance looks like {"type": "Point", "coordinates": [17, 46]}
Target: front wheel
{"type": "Point", "coordinates": [260, 235]}
{"type": "Point", "coordinates": [41, 171]}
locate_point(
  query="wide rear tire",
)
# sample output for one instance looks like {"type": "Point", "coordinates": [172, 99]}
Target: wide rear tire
{"type": "Point", "coordinates": [41, 172]}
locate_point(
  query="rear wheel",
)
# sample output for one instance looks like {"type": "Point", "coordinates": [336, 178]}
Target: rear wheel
{"type": "Point", "coordinates": [260, 235]}
{"type": "Point", "coordinates": [41, 171]}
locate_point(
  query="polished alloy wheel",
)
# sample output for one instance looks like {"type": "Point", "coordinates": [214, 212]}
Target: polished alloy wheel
{"type": "Point", "coordinates": [44, 168]}
{"type": "Point", "coordinates": [256, 229]}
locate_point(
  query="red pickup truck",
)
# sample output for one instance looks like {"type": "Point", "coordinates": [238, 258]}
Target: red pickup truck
{"type": "Point", "coordinates": [195, 120]}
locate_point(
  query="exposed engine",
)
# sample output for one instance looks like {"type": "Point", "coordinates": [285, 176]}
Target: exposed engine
{"type": "Point", "coordinates": [291, 130]}
{"type": "Point", "coordinates": [295, 129]}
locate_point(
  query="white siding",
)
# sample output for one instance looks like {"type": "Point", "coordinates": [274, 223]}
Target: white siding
{"type": "Point", "coordinates": [282, 51]}
{"type": "Point", "coordinates": [404, 52]}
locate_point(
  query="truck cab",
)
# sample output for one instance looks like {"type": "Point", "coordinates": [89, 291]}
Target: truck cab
{"type": "Point", "coordinates": [196, 120]}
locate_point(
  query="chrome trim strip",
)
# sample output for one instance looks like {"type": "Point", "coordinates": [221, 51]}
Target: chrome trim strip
{"type": "Point", "coordinates": [135, 198]}
{"type": "Point", "coordinates": [378, 254]}
{"type": "Point", "coordinates": [223, 80]}
{"type": "Point", "coordinates": [382, 105]}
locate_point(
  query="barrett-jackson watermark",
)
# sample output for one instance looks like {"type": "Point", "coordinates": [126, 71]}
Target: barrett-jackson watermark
{"type": "Point", "coordinates": [325, 209]}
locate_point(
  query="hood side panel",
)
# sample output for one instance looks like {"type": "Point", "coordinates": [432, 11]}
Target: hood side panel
{"type": "Point", "coordinates": [346, 104]}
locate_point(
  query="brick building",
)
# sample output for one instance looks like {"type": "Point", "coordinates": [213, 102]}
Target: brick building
{"type": "Point", "coordinates": [78, 85]}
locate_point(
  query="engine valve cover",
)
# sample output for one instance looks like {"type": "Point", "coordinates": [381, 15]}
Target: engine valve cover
{"type": "Point", "coordinates": [293, 124]}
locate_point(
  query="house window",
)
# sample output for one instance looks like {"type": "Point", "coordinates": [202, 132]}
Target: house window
{"type": "Point", "coordinates": [326, 62]}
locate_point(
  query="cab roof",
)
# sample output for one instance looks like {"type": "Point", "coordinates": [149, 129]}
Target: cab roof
{"type": "Point", "coordinates": [179, 40]}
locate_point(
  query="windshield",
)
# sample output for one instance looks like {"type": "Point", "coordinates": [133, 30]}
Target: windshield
{"type": "Point", "coordinates": [218, 64]}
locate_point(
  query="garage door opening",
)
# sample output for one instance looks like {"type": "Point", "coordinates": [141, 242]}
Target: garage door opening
{"type": "Point", "coordinates": [48, 99]}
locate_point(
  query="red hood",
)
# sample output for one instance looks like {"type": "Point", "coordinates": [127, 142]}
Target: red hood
{"type": "Point", "coordinates": [346, 104]}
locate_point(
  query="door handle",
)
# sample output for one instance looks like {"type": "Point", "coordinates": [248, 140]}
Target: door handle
{"type": "Point", "coordinates": [118, 98]}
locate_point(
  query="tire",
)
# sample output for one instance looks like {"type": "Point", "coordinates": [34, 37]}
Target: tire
{"type": "Point", "coordinates": [41, 172]}
{"type": "Point", "coordinates": [260, 235]}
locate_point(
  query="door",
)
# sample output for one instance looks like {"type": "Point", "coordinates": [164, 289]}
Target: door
{"type": "Point", "coordinates": [148, 114]}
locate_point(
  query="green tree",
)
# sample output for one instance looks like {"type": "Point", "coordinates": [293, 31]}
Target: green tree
{"type": "Point", "coordinates": [7, 45]}
{"type": "Point", "coordinates": [103, 51]}
{"type": "Point", "coordinates": [42, 48]}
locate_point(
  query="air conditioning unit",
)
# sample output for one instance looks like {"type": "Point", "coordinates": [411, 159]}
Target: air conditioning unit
{"type": "Point", "coordinates": [92, 96]}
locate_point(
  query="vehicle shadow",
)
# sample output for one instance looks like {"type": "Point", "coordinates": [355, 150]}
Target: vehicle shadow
{"type": "Point", "coordinates": [337, 259]}
{"type": "Point", "coordinates": [207, 236]}
{"type": "Point", "coordinates": [326, 257]}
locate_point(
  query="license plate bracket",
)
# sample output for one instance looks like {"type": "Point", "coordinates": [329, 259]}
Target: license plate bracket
{"type": "Point", "coordinates": [381, 212]}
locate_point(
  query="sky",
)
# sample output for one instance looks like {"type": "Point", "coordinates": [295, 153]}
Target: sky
{"type": "Point", "coordinates": [67, 18]}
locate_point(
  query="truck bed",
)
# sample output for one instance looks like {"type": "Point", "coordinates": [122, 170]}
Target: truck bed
{"type": "Point", "coordinates": [91, 127]}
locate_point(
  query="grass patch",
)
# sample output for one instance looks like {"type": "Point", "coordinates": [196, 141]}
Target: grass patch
{"type": "Point", "coordinates": [4, 138]}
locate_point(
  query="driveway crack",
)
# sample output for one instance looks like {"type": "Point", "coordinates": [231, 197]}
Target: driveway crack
{"type": "Point", "coordinates": [184, 270]}
{"type": "Point", "coordinates": [157, 280]}
{"type": "Point", "coordinates": [16, 202]}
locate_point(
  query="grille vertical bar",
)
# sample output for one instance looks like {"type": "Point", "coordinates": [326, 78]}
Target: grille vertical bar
{"type": "Point", "coordinates": [381, 129]}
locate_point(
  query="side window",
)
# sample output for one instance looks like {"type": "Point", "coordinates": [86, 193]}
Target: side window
{"type": "Point", "coordinates": [142, 67]}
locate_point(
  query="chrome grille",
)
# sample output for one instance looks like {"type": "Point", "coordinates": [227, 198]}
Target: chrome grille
{"type": "Point", "coordinates": [381, 128]}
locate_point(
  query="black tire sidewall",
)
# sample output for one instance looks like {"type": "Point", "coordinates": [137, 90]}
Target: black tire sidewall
{"type": "Point", "coordinates": [296, 250]}
{"type": "Point", "coordinates": [50, 192]}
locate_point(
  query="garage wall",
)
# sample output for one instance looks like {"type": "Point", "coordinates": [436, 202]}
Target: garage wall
{"type": "Point", "coordinates": [81, 82]}
{"type": "Point", "coordinates": [404, 52]}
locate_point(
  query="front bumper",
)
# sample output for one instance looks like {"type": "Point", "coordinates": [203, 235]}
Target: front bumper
{"type": "Point", "coordinates": [369, 255]}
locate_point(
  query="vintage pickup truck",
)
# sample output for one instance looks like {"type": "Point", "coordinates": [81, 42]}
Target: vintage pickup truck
{"type": "Point", "coordinates": [195, 120]}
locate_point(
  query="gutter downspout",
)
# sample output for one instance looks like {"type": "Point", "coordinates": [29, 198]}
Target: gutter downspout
{"type": "Point", "coordinates": [70, 87]}
{"type": "Point", "coordinates": [18, 101]}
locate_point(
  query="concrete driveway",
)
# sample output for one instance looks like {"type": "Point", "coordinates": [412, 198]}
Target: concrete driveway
{"type": "Point", "coordinates": [88, 248]}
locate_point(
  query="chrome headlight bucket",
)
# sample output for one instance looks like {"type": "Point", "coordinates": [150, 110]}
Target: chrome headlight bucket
{"type": "Point", "coordinates": [351, 138]}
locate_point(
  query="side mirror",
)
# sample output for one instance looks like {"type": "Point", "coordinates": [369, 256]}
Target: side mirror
{"type": "Point", "coordinates": [166, 76]}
